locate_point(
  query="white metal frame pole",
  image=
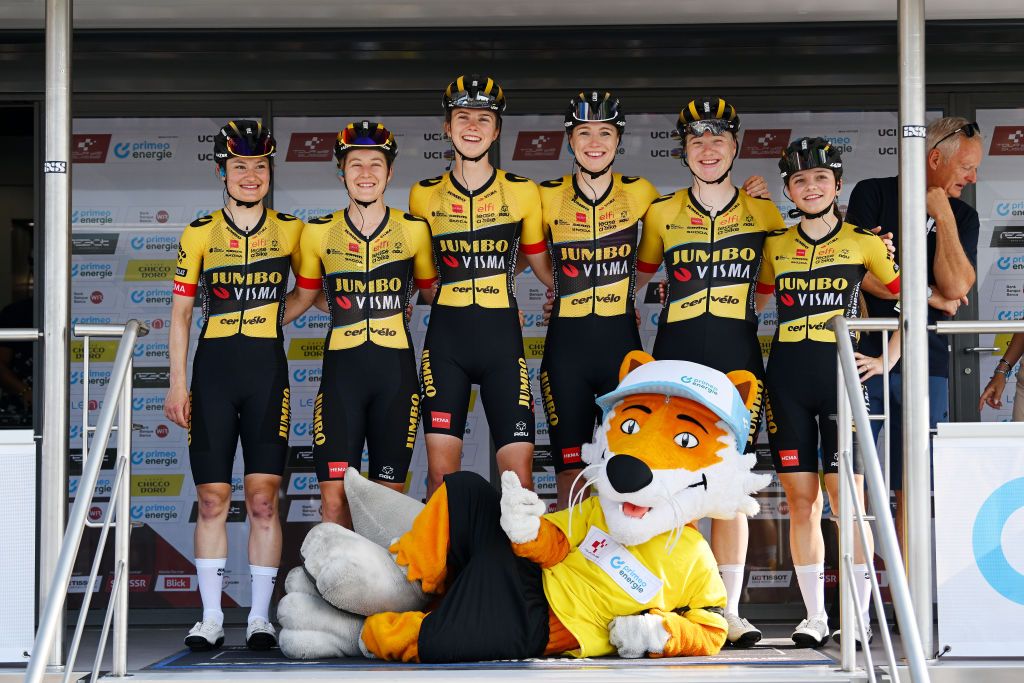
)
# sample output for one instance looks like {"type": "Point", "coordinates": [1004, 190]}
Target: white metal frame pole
{"type": "Point", "coordinates": [914, 316]}
{"type": "Point", "coordinates": [56, 245]}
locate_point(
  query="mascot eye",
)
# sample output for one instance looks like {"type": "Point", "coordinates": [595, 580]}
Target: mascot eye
{"type": "Point", "coordinates": [686, 440]}
{"type": "Point", "coordinates": [630, 427]}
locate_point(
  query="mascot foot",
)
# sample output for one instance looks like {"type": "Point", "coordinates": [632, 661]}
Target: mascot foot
{"type": "Point", "coordinates": [356, 575]}
{"type": "Point", "coordinates": [313, 629]}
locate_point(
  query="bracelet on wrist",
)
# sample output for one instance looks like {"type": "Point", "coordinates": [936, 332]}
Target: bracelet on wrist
{"type": "Point", "coordinates": [1005, 362]}
{"type": "Point", "coordinates": [1004, 373]}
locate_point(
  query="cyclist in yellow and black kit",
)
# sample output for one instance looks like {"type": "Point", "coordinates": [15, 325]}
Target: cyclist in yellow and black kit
{"type": "Point", "coordinates": [710, 238]}
{"type": "Point", "coordinates": [479, 219]}
{"type": "Point", "coordinates": [364, 261]}
{"type": "Point", "coordinates": [814, 269]}
{"type": "Point", "coordinates": [239, 258]}
{"type": "Point", "coordinates": [592, 221]}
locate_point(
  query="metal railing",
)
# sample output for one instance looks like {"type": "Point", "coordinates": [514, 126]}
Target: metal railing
{"type": "Point", "coordinates": [117, 515]}
{"type": "Point", "coordinates": [852, 516]}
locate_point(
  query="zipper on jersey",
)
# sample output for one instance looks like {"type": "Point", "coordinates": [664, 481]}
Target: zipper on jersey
{"type": "Point", "coordinates": [245, 278]}
{"type": "Point", "coordinates": [366, 285]}
{"type": "Point", "coordinates": [711, 259]}
{"type": "Point", "coordinates": [810, 267]}
{"type": "Point", "coordinates": [593, 240]}
{"type": "Point", "coordinates": [472, 247]}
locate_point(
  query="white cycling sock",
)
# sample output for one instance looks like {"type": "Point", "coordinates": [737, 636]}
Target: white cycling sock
{"type": "Point", "coordinates": [263, 580]}
{"type": "Point", "coordinates": [732, 577]}
{"type": "Point", "coordinates": [211, 583]}
{"type": "Point", "coordinates": [811, 579]}
{"type": "Point", "coordinates": [862, 580]}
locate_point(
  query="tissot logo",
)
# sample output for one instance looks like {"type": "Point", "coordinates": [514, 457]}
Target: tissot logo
{"type": "Point", "coordinates": [538, 145]}
{"type": "Point", "coordinates": [311, 147]}
{"type": "Point", "coordinates": [764, 143]}
{"type": "Point", "coordinates": [1007, 141]}
{"type": "Point", "coordinates": [90, 148]}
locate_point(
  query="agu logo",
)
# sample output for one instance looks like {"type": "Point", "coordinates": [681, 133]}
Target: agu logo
{"type": "Point", "coordinates": [538, 145]}
{"type": "Point", "coordinates": [987, 540]}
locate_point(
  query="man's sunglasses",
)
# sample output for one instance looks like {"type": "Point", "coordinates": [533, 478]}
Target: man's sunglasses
{"type": "Point", "coordinates": [968, 129]}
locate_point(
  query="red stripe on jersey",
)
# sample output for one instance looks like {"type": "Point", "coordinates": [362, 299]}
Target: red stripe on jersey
{"type": "Point", "coordinates": [645, 267]}
{"type": "Point", "coordinates": [535, 248]}
{"type": "Point", "coordinates": [425, 284]}
{"type": "Point", "coordinates": [765, 289]}
{"type": "Point", "coordinates": [307, 282]}
{"type": "Point", "coordinates": [894, 286]}
{"type": "Point", "coordinates": [184, 288]}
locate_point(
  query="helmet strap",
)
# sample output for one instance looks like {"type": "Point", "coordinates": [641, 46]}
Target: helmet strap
{"type": "Point", "coordinates": [239, 202]}
{"type": "Point", "coordinates": [363, 204]}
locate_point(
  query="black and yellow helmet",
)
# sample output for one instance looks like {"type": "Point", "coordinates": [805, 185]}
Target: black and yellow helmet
{"type": "Point", "coordinates": [594, 106]}
{"type": "Point", "coordinates": [707, 114]}
{"type": "Point", "coordinates": [474, 92]}
{"type": "Point", "coordinates": [365, 135]}
{"type": "Point", "coordinates": [245, 139]}
{"type": "Point", "coordinates": [806, 153]}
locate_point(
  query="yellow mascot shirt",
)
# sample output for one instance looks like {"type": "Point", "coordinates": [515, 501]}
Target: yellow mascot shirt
{"type": "Point", "coordinates": [586, 599]}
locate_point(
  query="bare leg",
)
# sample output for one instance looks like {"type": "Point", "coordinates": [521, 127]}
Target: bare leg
{"type": "Point", "coordinates": [517, 457]}
{"type": "Point", "coordinates": [444, 456]}
{"type": "Point", "coordinates": [261, 494]}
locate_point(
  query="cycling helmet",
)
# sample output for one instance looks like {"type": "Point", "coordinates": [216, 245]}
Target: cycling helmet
{"type": "Point", "coordinates": [806, 153]}
{"type": "Point", "coordinates": [474, 92]}
{"type": "Point", "coordinates": [707, 114]}
{"type": "Point", "coordinates": [365, 135]}
{"type": "Point", "coordinates": [245, 139]}
{"type": "Point", "coordinates": [594, 107]}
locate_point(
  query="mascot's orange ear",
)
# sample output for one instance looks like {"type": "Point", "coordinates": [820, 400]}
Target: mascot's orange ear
{"type": "Point", "coordinates": [635, 359]}
{"type": "Point", "coordinates": [748, 386]}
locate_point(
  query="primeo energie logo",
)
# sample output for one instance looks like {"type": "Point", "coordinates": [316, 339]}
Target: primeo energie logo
{"type": "Point", "coordinates": [160, 149]}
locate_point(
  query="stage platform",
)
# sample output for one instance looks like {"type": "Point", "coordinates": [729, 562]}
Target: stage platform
{"type": "Point", "coordinates": [155, 655]}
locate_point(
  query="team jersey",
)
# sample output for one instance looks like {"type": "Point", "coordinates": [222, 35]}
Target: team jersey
{"type": "Point", "coordinates": [711, 261]}
{"type": "Point", "coordinates": [243, 276]}
{"type": "Point", "coordinates": [476, 235]}
{"type": "Point", "coordinates": [367, 279]}
{"type": "Point", "coordinates": [585, 598]}
{"type": "Point", "coordinates": [816, 280]}
{"type": "Point", "coordinates": [593, 244]}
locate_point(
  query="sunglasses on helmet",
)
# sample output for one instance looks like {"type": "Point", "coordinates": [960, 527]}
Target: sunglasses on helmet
{"type": "Point", "coordinates": [605, 110]}
{"type": "Point", "coordinates": [365, 137]}
{"type": "Point", "coordinates": [247, 148]}
{"type": "Point", "coordinates": [714, 126]}
{"type": "Point", "coordinates": [803, 159]}
{"type": "Point", "coordinates": [968, 129]}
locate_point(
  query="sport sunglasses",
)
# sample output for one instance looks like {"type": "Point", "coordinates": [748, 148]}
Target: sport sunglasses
{"type": "Point", "coordinates": [968, 129]}
{"type": "Point", "coordinates": [364, 137]}
{"type": "Point", "coordinates": [242, 147]}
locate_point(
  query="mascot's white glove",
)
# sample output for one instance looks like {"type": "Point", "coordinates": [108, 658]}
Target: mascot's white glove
{"type": "Point", "coordinates": [521, 510]}
{"type": "Point", "coordinates": [636, 635]}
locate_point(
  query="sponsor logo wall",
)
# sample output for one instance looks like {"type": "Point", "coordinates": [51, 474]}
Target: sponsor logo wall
{"type": "Point", "coordinates": [1000, 204]}
{"type": "Point", "coordinates": [139, 181]}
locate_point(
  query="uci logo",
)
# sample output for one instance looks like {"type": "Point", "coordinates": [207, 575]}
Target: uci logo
{"type": "Point", "coordinates": [138, 242]}
{"type": "Point", "coordinates": [138, 296]}
{"type": "Point", "coordinates": [300, 375]}
{"type": "Point", "coordinates": [138, 403]}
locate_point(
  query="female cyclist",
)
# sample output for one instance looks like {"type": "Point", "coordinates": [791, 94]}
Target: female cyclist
{"type": "Point", "coordinates": [815, 269]}
{"type": "Point", "coordinates": [363, 260]}
{"type": "Point", "coordinates": [239, 257]}
{"type": "Point", "coordinates": [478, 218]}
{"type": "Point", "coordinates": [710, 237]}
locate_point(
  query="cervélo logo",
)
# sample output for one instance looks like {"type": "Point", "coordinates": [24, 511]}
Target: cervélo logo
{"type": "Point", "coordinates": [90, 148]}
{"type": "Point", "coordinates": [1007, 141]}
{"type": "Point", "coordinates": [311, 147]}
{"type": "Point", "coordinates": [538, 145]}
{"type": "Point", "coordinates": [764, 143]}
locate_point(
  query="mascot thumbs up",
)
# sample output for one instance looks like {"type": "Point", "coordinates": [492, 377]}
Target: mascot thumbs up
{"type": "Point", "coordinates": [481, 578]}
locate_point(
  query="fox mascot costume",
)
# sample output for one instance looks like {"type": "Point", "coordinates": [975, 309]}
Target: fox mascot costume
{"type": "Point", "coordinates": [474, 577]}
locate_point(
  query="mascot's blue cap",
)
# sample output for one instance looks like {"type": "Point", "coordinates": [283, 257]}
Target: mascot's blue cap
{"type": "Point", "coordinates": [689, 380]}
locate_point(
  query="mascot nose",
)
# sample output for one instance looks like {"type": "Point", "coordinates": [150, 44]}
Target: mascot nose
{"type": "Point", "coordinates": [627, 474]}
